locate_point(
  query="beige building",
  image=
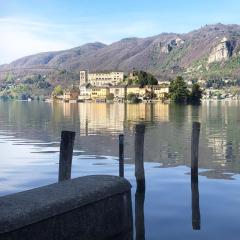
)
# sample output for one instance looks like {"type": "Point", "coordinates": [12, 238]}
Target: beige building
{"type": "Point", "coordinates": [119, 92]}
{"type": "Point", "coordinates": [99, 92]}
{"type": "Point", "coordinates": [133, 89]}
{"type": "Point", "coordinates": [161, 91]}
{"type": "Point", "coordinates": [101, 78]}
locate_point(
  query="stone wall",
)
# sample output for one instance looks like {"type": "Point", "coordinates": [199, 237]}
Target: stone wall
{"type": "Point", "coordinates": [86, 208]}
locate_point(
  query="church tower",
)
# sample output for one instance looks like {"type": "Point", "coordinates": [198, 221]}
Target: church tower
{"type": "Point", "coordinates": [83, 77]}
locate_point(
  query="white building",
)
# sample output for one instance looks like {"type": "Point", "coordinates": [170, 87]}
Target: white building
{"type": "Point", "coordinates": [101, 78]}
{"type": "Point", "coordinates": [85, 91]}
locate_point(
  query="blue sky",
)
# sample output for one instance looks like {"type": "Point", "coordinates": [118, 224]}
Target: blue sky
{"type": "Point", "coordinates": [34, 26]}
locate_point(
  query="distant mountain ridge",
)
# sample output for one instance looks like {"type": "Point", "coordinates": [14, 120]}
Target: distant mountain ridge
{"type": "Point", "coordinates": [209, 52]}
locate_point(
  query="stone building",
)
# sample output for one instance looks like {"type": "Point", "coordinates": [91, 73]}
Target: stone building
{"type": "Point", "coordinates": [71, 94]}
{"type": "Point", "coordinates": [101, 78]}
{"type": "Point", "coordinates": [119, 92]}
{"type": "Point", "coordinates": [100, 93]}
{"type": "Point", "coordinates": [85, 91]}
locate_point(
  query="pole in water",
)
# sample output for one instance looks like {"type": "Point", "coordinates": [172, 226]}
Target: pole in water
{"type": "Point", "coordinates": [194, 150]}
{"type": "Point", "coordinates": [139, 160]}
{"type": "Point", "coordinates": [121, 155]}
{"type": "Point", "coordinates": [65, 158]}
{"type": "Point", "coordinates": [196, 216]}
{"type": "Point", "coordinates": [139, 214]}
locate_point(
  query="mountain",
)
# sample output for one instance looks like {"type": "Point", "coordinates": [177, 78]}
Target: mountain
{"type": "Point", "coordinates": [213, 51]}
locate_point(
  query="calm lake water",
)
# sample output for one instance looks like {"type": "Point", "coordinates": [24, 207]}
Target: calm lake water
{"type": "Point", "coordinates": [173, 208]}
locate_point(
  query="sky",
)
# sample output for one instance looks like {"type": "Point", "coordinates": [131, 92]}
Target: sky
{"type": "Point", "coordinates": [32, 26]}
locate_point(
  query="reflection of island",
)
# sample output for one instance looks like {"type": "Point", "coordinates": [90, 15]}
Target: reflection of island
{"type": "Point", "coordinates": [102, 118]}
{"type": "Point", "coordinates": [167, 137]}
{"type": "Point", "coordinates": [69, 110]}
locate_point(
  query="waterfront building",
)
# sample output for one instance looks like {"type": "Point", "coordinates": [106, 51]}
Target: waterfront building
{"type": "Point", "coordinates": [71, 94]}
{"type": "Point", "coordinates": [161, 91]}
{"type": "Point", "coordinates": [85, 91]}
{"type": "Point", "coordinates": [135, 89]}
{"type": "Point", "coordinates": [119, 92]}
{"type": "Point", "coordinates": [101, 78]}
{"type": "Point", "coordinates": [99, 93]}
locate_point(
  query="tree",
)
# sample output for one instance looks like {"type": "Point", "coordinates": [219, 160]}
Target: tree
{"type": "Point", "coordinates": [150, 95]}
{"type": "Point", "coordinates": [178, 90]}
{"type": "Point", "coordinates": [133, 98]}
{"type": "Point", "coordinates": [9, 78]}
{"type": "Point", "coordinates": [142, 78]}
{"type": "Point", "coordinates": [196, 94]}
{"type": "Point", "coordinates": [57, 91]}
{"type": "Point", "coordinates": [21, 91]}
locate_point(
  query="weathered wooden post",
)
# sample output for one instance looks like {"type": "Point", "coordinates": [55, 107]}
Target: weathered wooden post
{"type": "Point", "coordinates": [196, 216]}
{"type": "Point", "coordinates": [139, 214]}
{"type": "Point", "coordinates": [66, 152]}
{"type": "Point", "coordinates": [139, 160]}
{"type": "Point", "coordinates": [194, 151]}
{"type": "Point", "coordinates": [121, 155]}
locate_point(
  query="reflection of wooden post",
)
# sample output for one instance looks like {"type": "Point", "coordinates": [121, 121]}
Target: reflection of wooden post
{"type": "Point", "coordinates": [125, 115]}
{"type": "Point", "coordinates": [139, 214]}
{"type": "Point", "coordinates": [66, 152]}
{"type": "Point", "coordinates": [196, 217]}
{"type": "Point", "coordinates": [194, 150]}
{"type": "Point", "coordinates": [121, 155]}
{"type": "Point", "coordinates": [152, 112]}
{"type": "Point", "coordinates": [139, 161]}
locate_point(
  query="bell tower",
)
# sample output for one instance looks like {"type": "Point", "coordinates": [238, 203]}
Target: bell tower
{"type": "Point", "coordinates": [83, 77]}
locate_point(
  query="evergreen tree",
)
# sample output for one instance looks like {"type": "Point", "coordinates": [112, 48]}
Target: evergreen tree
{"type": "Point", "coordinates": [196, 94]}
{"type": "Point", "coordinates": [178, 90]}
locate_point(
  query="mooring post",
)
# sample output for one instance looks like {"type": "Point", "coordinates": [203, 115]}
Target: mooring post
{"type": "Point", "coordinates": [121, 155]}
{"type": "Point", "coordinates": [194, 151]}
{"type": "Point", "coordinates": [65, 158]}
{"type": "Point", "coordinates": [196, 216]}
{"type": "Point", "coordinates": [139, 214]}
{"type": "Point", "coordinates": [139, 160]}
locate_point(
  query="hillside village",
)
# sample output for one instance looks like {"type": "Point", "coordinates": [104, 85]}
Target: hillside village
{"type": "Point", "coordinates": [114, 86]}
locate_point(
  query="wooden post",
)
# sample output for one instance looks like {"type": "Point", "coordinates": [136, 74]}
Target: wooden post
{"type": "Point", "coordinates": [66, 152]}
{"type": "Point", "coordinates": [121, 155]}
{"type": "Point", "coordinates": [139, 214]}
{"type": "Point", "coordinates": [194, 151]}
{"type": "Point", "coordinates": [139, 161]}
{"type": "Point", "coordinates": [196, 217]}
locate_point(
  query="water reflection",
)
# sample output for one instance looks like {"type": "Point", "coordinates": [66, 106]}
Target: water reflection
{"type": "Point", "coordinates": [168, 129]}
{"type": "Point", "coordinates": [29, 143]}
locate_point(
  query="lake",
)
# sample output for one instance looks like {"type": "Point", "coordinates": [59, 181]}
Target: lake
{"type": "Point", "coordinates": [172, 207]}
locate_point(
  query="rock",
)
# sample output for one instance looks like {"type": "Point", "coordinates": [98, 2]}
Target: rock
{"type": "Point", "coordinates": [167, 47]}
{"type": "Point", "coordinates": [179, 41]}
{"type": "Point", "coordinates": [222, 52]}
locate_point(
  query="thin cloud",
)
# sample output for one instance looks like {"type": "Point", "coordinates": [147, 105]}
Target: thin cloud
{"type": "Point", "coordinates": [21, 37]}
